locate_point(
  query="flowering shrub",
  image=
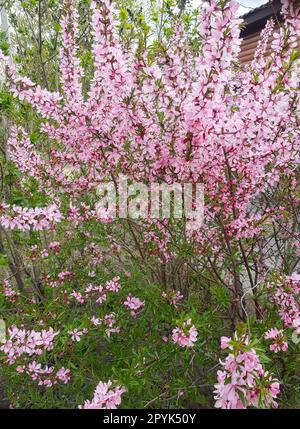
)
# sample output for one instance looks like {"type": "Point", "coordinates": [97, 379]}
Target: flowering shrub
{"type": "Point", "coordinates": [143, 302]}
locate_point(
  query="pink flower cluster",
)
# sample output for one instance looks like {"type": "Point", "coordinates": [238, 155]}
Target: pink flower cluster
{"type": "Point", "coordinates": [53, 246]}
{"type": "Point", "coordinates": [64, 276]}
{"type": "Point", "coordinates": [243, 382]}
{"type": "Point", "coordinates": [113, 285]}
{"type": "Point", "coordinates": [78, 297]}
{"type": "Point", "coordinates": [22, 342]}
{"type": "Point", "coordinates": [26, 218]}
{"type": "Point", "coordinates": [97, 257]}
{"type": "Point", "coordinates": [134, 305]}
{"type": "Point", "coordinates": [110, 286]}
{"type": "Point", "coordinates": [22, 345]}
{"type": "Point", "coordinates": [23, 154]}
{"type": "Point", "coordinates": [172, 297]}
{"type": "Point", "coordinates": [186, 335]}
{"type": "Point", "coordinates": [76, 334]}
{"type": "Point", "coordinates": [109, 322]}
{"type": "Point", "coordinates": [279, 340]}
{"type": "Point", "coordinates": [9, 292]}
{"type": "Point", "coordinates": [69, 62]}
{"type": "Point", "coordinates": [159, 241]}
{"type": "Point", "coordinates": [45, 376]}
{"type": "Point", "coordinates": [296, 325]}
{"type": "Point", "coordinates": [105, 397]}
{"type": "Point", "coordinates": [286, 295]}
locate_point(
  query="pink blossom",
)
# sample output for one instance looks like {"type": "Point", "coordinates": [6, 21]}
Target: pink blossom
{"type": "Point", "coordinates": [105, 397]}
{"type": "Point", "coordinates": [96, 321]}
{"type": "Point", "coordinates": [113, 285]}
{"type": "Point", "coordinates": [63, 375]}
{"type": "Point", "coordinates": [173, 297]}
{"type": "Point", "coordinates": [110, 321]}
{"type": "Point", "coordinates": [134, 304]}
{"type": "Point", "coordinates": [9, 292]}
{"type": "Point", "coordinates": [278, 337]}
{"type": "Point", "coordinates": [186, 335]}
{"type": "Point", "coordinates": [75, 334]}
{"type": "Point", "coordinates": [225, 342]}
{"type": "Point", "coordinates": [79, 298]}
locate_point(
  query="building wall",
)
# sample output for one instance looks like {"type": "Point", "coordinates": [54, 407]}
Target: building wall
{"type": "Point", "coordinates": [249, 45]}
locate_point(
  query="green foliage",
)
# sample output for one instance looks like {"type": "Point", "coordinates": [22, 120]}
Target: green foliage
{"type": "Point", "coordinates": [3, 260]}
{"type": "Point", "coordinates": [221, 294]}
{"type": "Point", "coordinates": [4, 45]}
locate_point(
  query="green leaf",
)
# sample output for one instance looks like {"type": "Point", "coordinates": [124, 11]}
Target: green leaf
{"type": "Point", "coordinates": [3, 260]}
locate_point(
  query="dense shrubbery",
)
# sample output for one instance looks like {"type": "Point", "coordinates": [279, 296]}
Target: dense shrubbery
{"type": "Point", "coordinates": [167, 314]}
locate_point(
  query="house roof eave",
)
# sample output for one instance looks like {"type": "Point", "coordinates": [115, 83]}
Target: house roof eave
{"type": "Point", "coordinates": [256, 19]}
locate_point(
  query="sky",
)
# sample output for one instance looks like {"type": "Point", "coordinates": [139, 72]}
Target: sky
{"type": "Point", "coordinates": [247, 5]}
